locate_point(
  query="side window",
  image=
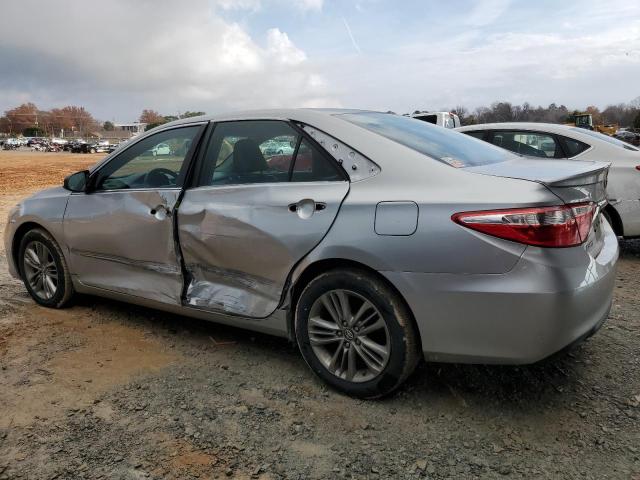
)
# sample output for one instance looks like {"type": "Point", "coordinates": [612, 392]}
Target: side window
{"type": "Point", "coordinates": [479, 134]}
{"type": "Point", "coordinates": [429, 119]}
{"type": "Point", "coordinates": [262, 151]}
{"type": "Point", "coordinates": [532, 144]}
{"type": "Point", "coordinates": [311, 165]}
{"type": "Point", "coordinates": [250, 151]}
{"type": "Point", "coordinates": [154, 162]}
{"type": "Point", "coordinates": [574, 147]}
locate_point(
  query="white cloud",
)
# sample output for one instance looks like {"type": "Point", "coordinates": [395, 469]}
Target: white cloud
{"type": "Point", "coordinates": [155, 54]}
{"type": "Point", "coordinates": [150, 54]}
{"type": "Point", "coordinates": [309, 4]}
{"type": "Point", "coordinates": [577, 68]}
{"type": "Point", "coordinates": [282, 50]}
{"type": "Point", "coordinates": [238, 4]}
{"type": "Point", "coordinates": [256, 5]}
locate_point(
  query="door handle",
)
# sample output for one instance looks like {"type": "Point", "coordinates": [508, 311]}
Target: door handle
{"type": "Point", "coordinates": [306, 207]}
{"type": "Point", "coordinates": [293, 208]}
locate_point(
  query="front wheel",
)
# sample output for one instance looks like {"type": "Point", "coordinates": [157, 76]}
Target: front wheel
{"type": "Point", "coordinates": [356, 333]}
{"type": "Point", "coordinates": [44, 271]}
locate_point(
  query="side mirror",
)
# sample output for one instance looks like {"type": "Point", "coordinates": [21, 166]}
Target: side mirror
{"type": "Point", "coordinates": [77, 182]}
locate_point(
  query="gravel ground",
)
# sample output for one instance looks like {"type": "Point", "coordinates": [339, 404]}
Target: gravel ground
{"type": "Point", "coordinates": [107, 390]}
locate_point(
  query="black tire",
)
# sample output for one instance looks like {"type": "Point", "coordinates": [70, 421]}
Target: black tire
{"type": "Point", "coordinates": [93, 150]}
{"type": "Point", "coordinates": [405, 351]}
{"type": "Point", "coordinates": [613, 225]}
{"type": "Point", "coordinates": [64, 286]}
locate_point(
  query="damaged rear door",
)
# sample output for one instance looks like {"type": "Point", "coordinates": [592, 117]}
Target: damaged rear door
{"type": "Point", "coordinates": [264, 196]}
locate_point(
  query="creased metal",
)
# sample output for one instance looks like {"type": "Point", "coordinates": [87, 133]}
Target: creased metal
{"type": "Point", "coordinates": [155, 267]}
{"type": "Point", "coordinates": [239, 243]}
{"type": "Point", "coordinates": [230, 291]}
{"type": "Point", "coordinates": [116, 243]}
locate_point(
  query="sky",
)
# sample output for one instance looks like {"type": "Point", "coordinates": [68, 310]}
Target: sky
{"type": "Point", "coordinates": [117, 57]}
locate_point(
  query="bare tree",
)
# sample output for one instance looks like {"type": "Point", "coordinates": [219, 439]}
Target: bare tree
{"type": "Point", "coordinates": [151, 116]}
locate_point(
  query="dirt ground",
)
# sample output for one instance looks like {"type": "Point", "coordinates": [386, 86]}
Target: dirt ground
{"type": "Point", "coordinates": [107, 390]}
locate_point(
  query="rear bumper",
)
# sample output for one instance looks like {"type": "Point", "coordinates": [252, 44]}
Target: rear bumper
{"type": "Point", "coordinates": [551, 299]}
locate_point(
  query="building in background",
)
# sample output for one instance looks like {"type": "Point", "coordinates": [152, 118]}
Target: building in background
{"type": "Point", "coordinates": [134, 128]}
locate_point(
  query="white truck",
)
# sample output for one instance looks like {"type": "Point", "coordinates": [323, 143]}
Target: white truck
{"type": "Point", "coordinates": [443, 119]}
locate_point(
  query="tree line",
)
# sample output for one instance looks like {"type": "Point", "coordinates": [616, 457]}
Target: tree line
{"type": "Point", "coordinates": [71, 121]}
{"type": "Point", "coordinates": [27, 119]}
{"type": "Point", "coordinates": [153, 118]}
{"type": "Point", "coordinates": [623, 114]}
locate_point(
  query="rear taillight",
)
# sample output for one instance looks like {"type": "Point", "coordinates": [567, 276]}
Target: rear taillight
{"type": "Point", "coordinates": [637, 167]}
{"type": "Point", "coordinates": [560, 226]}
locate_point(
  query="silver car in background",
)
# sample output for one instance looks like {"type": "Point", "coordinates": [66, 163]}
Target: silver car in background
{"type": "Point", "coordinates": [376, 241]}
{"type": "Point", "coordinates": [552, 141]}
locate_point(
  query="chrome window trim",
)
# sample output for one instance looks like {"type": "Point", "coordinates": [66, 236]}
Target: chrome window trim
{"type": "Point", "coordinates": [127, 190]}
{"type": "Point", "coordinates": [268, 184]}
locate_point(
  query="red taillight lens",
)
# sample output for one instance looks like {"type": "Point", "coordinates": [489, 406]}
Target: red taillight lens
{"type": "Point", "coordinates": [561, 226]}
{"type": "Point", "coordinates": [637, 167]}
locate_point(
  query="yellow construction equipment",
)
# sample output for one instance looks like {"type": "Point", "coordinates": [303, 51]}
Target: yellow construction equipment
{"type": "Point", "coordinates": [585, 120]}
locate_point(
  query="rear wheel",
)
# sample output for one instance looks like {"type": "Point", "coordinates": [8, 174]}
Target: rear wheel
{"type": "Point", "coordinates": [614, 225]}
{"type": "Point", "coordinates": [356, 333]}
{"type": "Point", "coordinates": [44, 271]}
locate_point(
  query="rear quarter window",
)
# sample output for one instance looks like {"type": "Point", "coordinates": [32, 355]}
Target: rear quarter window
{"type": "Point", "coordinates": [442, 144]}
{"type": "Point", "coordinates": [573, 147]}
{"type": "Point", "coordinates": [476, 134]}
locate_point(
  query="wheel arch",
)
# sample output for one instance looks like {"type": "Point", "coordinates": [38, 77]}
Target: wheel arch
{"type": "Point", "coordinates": [616, 221]}
{"type": "Point", "coordinates": [19, 234]}
{"type": "Point", "coordinates": [318, 267]}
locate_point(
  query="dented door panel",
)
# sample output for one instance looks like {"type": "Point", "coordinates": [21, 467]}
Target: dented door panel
{"type": "Point", "coordinates": [123, 241]}
{"type": "Point", "coordinates": [240, 242]}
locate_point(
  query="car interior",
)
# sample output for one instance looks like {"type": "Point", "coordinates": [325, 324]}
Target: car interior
{"type": "Point", "coordinates": [244, 160]}
{"type": "Point", "coordinates": [507, 140]}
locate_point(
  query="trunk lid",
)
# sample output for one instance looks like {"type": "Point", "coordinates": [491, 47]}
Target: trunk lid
{"type": "Point", "coordinates": [571, 180]}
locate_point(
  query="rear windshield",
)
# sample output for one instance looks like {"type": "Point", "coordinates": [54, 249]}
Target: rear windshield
{"type": "Point", "coordinates": [605, 138]}
{"type": "Point", "coordinates": [445, 145]}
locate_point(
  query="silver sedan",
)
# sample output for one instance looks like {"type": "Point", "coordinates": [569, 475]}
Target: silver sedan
{"type": "Point", "coordinates": [376, 241]}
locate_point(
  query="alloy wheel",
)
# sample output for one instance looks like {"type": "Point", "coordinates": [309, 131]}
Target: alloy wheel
{"type": "Point", "coordinates": [349, 336]}
{"type": "Point", "coordinates": [40, 270]}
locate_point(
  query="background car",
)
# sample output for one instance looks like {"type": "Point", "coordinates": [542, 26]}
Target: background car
{"type": "Point", "coordinates": [380, 241]}
{"type": "Point", "coordinates": [161, 149]}
{"type": "Point", "coordinates": [442, 119]}
{"type": "Point", "coordinates": [278, 146]}
{"type": "Point", "coordinates": [555, 142]}
{"type": "Point", "coordinates": [630, 137]}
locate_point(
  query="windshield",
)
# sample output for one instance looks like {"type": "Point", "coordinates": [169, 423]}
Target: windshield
{"type": "Point", "coordinates": [605, 138]}
{"type": "Point", "coordinates": [442, 144]}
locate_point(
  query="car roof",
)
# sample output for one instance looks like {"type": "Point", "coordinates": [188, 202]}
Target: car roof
{"type": "Point", "coordinates": [546, 127]}
{"type": "Point", "coordinates": [277, 114]}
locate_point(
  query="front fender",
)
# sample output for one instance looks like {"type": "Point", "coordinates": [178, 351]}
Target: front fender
{"type": "Point", "coordinates": [45, 210]}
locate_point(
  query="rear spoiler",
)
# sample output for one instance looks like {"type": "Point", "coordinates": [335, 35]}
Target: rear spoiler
{"type": "Point", "coordinates": [571, 180]}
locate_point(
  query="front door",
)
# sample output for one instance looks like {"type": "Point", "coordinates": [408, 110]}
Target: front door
{"type": "Point", "coordinates": [121, 235]}
{"type": "Point", "coordinates": [265, 196]}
